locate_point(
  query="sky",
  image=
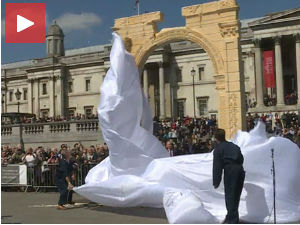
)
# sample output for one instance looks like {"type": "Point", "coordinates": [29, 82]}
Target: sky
{"type": "Point", "coordinates": [89, 22]}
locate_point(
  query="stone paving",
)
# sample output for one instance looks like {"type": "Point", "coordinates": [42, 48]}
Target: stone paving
{"type": "Point", "coordinates": [20, 207]}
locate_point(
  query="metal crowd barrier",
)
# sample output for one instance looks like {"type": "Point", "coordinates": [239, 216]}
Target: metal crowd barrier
{"type": "Point", "coordinates": [43, 176]}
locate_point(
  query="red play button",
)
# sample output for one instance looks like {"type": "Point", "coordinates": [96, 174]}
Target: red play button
{"type": "Point", "coordinates": [24, 22]}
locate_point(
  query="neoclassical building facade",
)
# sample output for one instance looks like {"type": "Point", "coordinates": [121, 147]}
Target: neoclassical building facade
{"type": "Point", "coordinates": [178, 78]}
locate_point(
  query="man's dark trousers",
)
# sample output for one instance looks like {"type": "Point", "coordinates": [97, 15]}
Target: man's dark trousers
{"type": "Point", "coordinates": [65, 195]}
{"type": "Point", "coordinates": [234, 177]}
{"type": "Point", "coordinates": [64, 170]}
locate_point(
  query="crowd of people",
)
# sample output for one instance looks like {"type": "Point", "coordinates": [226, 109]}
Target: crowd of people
{"type": "Point", "coordinates": [47, 119]}
{"type": "Point", "coordinates": [181, 136]}
{"type": "Point", "coordinates": [270, 100]}
{"type": "Point", "coordinates": [291, 99]}
{"type": "Point", "coordinates": [286, 125]}
{"type": "Point", "coordinates": [251, 103]}
{"type": "Point", "coordinates": [186, 135]}
{"type": "Point", "coordinates": [37, 156]}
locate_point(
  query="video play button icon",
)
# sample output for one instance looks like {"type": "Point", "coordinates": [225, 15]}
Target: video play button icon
{"type": "Point", "coordinates": [23, 23]}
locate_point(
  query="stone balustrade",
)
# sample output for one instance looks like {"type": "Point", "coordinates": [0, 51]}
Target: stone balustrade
{"type": "Point", "coordinates": [87, 125]}
{"type": "Point", "coordinates": [6, 130]}
{"type": "Point", "coordinates": [53, 134]}
{"type": "Point", "coordinates": [59, 127]}
{"type": "Point", "coordinates": [33, 128]}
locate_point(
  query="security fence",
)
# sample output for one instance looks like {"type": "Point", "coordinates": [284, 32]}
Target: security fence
{"type": "Point", "coordinates": [42, 176]}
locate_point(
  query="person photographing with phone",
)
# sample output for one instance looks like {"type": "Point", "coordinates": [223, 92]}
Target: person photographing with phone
{"type": "Point", "coordinates": [64, 176]}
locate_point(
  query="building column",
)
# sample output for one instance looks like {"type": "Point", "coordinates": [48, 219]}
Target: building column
{"type": "Point", "coordinates": [3, 99]}
{"type": "Point", "coordinates": [3, 75]}
{"type": "Point", "coordinates": [37, 98]}
{"type": "Point", "coordinates": [298, 65]}
{"type": "Point", "coordinates": [162, 91]}
{"type": "Point", "coordinates": [30, 91]}
{"type": "Point", "coordinates": [172, 89]}
{"type": "Point", "coordinates": [258, 74]}
{"type": "Point", "coordinates": [145, 80]}
{"type": "Point", "coordinates": [60, 96]}
{"type": "Point", "coordinates": [51, 97]}
{"type": "Point", "coordinates": [279, 75]}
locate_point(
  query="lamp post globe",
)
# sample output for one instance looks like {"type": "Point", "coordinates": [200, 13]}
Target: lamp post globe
{"type": "Point", "coordinates": [193, 72]}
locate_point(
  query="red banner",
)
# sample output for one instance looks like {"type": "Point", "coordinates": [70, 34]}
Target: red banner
{"type": "Point", "coordinates": [269, 69]}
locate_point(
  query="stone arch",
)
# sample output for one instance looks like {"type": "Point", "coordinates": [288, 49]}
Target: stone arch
{"type": "Point", "coordinates": [169, 35]}
{"type": "Point", "coordinates": [216, 28]}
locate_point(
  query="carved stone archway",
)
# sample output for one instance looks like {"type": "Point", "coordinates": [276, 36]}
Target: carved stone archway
{"type": "Point", "coordinates": [178, 34]}
{"type": "Point", "coordinates": [215, 27]}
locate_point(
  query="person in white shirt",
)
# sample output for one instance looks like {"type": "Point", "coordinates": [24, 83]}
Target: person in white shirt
{"type": "Point", "coordinates": [29, 158]}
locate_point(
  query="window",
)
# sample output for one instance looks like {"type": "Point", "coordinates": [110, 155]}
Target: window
{"type": "Point", "coordinates": [201, 72]}
{"type": "Point", "coordinates": [179, 74]}
{"type": "Point", "coordinates": [88, 110]}
{"type": "Point", "coordinates": [202, 104]}
{"type": "Point", "coordinates": [72, 112]}
{"type": "Point", "coordinates": [24, 93]}
{"type": "Point", "coordinates": [44, 88]}
{"type": "Point", "coordinates": [180, 107]}
{"type": "Point", "coordinates": [87, 85]}
{"type": "Point", "coordinates": [70, 86]}
{"type": "Point", "coordinates": [11, 96]}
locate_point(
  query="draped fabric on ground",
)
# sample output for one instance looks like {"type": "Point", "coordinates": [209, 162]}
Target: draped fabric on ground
{"type": "Point", "coordinates": [138, 171]}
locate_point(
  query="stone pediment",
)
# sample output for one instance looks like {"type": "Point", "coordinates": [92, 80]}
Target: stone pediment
{"type": "Point", "coordinates": [278, 17]}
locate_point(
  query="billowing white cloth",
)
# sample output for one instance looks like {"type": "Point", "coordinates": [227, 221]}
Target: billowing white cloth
{"type": "Point", "coordinates": [184, 207]}
{"type": "Point", "coordinates": [138, 171]}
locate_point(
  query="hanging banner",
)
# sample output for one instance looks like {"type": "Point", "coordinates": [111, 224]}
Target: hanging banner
{"type": "Point", "coordinates": [269, 69]}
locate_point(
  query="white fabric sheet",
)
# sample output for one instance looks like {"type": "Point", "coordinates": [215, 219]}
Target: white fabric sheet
{"type": "Point", "coordinates": [138, 171]}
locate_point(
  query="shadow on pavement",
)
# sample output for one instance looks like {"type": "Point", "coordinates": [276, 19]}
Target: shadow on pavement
{"type": "Point", "coordinates": [4, 218]}
{"type": "Point", "coordinates": [137, 211]}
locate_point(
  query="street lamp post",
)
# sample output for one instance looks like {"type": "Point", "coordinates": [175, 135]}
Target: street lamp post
{"type": "Point", "coordinates": [193, 73]}
{"type": "Point", "coordinates": [2, 101]}
{"type": "Point", "coordinates": [18, 97]}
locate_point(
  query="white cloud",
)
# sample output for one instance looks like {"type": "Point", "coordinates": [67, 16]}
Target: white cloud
{"type": "Point", "coordinates": [84, 21]}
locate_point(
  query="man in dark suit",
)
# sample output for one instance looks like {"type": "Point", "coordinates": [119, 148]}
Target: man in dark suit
{"type": "Point", "coordinates": [63, 179]}
{"type": "Point", "coordinates": [170, 148]}
{"type": "Point", "coordinates": [228, 156]}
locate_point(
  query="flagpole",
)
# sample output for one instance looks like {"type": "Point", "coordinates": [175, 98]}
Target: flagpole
{"type": "Point", "coordinates": [138, 7]}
